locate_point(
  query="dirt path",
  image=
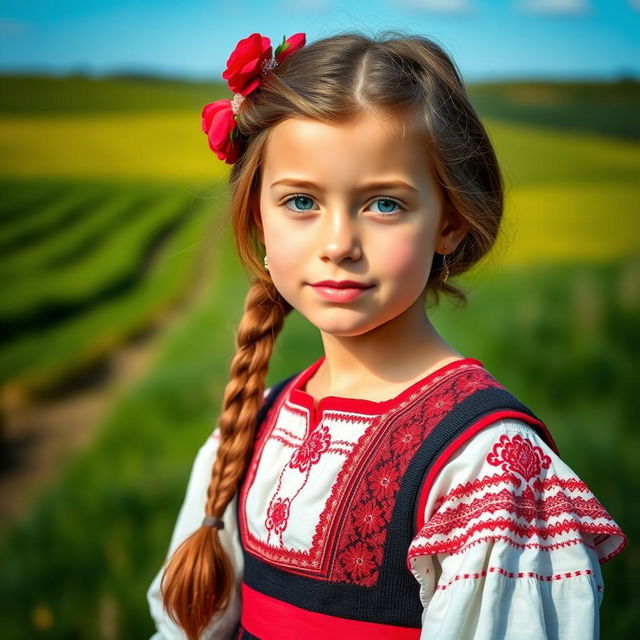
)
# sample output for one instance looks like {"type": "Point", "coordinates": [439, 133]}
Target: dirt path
{"type": "Point", "coordinates": [40, 440]}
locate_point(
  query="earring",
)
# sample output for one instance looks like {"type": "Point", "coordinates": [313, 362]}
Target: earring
{"type": "Point", "coordinates": [266, 263]}
{"type": "Point", "coordinates": [444, 265]}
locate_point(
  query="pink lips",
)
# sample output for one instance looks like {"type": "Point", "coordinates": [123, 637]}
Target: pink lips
{"type": "Point", "coordinates": [342, 294]}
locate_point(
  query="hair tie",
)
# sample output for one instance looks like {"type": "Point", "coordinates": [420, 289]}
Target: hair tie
{"type": "Point", "coordinates": [213, 521]}
{"type": "Point", "coordinates": [247, 64]}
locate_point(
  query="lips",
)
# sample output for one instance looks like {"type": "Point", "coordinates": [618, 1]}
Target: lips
{"type": "Point", "coordinates": [340, 294]}
{"type": "Point", "coordinates": [341, 284]}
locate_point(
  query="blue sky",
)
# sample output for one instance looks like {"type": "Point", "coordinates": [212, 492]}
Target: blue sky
{"type": "Point", "coordinates": [488, 39]}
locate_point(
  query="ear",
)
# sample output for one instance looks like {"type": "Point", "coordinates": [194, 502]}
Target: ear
{"type": "Point", "coordinates": [452, 230]}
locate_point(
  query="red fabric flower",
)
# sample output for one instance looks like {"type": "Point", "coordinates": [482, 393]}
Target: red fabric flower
{"type": "Point", "coordinates": [244, 66]}
{"type": "Point", "coordinates": [243, 75]}
{"type": "Point", "coordinates": [288, 46]}
{"type": "Point", "coordinates": [218, 122]}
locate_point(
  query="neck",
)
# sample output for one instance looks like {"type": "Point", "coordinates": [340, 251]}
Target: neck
{"type": "Point", "coordinates": [397, 352]}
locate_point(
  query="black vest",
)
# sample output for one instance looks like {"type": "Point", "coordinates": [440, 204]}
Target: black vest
{"type": "Point", "coordinates": [394, 599]}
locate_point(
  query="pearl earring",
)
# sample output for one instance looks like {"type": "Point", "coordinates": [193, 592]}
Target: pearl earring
{"type": "Point", "coordinates": [266, 263]}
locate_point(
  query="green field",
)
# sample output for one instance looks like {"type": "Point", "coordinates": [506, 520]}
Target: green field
{"type": "Point", "coordinates": [89, 266]}
{"type": "Point", "coordinates": [115, 214]}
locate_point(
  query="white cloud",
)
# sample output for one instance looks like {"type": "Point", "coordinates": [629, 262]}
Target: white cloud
{"type": "Point", "coordinates": [558, 7]}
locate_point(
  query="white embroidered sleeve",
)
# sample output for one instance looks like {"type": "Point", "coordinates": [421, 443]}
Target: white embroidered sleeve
{"type": "Point", "coordinates": [189, 519]}
{"type": "Point", "coordinates": [512, 543]}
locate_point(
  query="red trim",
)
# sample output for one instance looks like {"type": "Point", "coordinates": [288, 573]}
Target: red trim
{"type": "Point", "coordinates": [272, 619]}
{"type": "Point", "coordinates": [417, 551]}
{"type": "Point", "coordinates": [298, 395]}
{"type": "Point", "coordinates": [462, 439]}
{"type": "Point", "coordinates": [454, 544]}
{"type": "Point", "coordinates": [519, 574]}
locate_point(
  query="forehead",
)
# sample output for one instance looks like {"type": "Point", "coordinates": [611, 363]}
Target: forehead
{"type": "Point", "coordinates": [373, 144]}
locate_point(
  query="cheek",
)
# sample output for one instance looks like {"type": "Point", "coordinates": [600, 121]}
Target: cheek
{"type": "Point", "coordinates": [405, 261]}
{"type": "Point", "coordinates": [286, 254]}
{"type": "Point", "coordinates": [286, 258]}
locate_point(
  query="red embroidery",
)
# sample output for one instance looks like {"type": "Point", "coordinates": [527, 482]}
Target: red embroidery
{"type": "Point", "coordinates": [311, 449]}
{"type": "Point", "coordinates": [520, 574]}
{"type": "Point", "coordinates": [384, 482]}
{"type": "Point", "coordinates": [417, 550]}
{"type": "Point", "coordinates": [351, 532]}
{"type": "Point", "coordinates": [454, 543]}
{"type": "Point", "coordinates": [402, 434]}
{"type": "Point", "coordinates": [519, 456]}
{"type": "Point", "coordinates": [540, 485]}
{"type": "Point", "coordinates": [524, 506]}
{"type": "Point", "coordinates": [368, 518]}
{"type": "Point", "coordinates": [277, 515]}
{"type": "Point", "coordinates": [407, 437]}
{"type": "Point", "coordinates": [359, 561]}
{"type": "Point", "coordinates": [581, 514]}
{"type": "Point", "coordinates": [571, 484]}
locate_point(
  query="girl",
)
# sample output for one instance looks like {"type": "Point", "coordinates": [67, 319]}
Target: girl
{"type": "Point", "coordinates": [393, 489]}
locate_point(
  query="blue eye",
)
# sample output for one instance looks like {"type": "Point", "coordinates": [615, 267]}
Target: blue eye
{"type": "Point", "coordinates": [388, 202]}
{"type": "Point", "coordinates": [299, 197]}
{"type": "Point", "coordinates": [383, 213]}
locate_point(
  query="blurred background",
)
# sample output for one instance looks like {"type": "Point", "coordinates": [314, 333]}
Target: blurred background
{"type": "Point", "coordinates": [122, 289]}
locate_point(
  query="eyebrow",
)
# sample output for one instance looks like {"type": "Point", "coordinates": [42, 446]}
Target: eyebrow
{"type": "Point", "coordinates": [379, 184]}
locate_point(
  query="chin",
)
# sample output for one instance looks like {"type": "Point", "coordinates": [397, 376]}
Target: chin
{"type": "Point", "coordinates": [349, 326]}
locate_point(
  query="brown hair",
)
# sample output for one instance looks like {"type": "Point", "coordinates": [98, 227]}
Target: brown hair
{"type": "Point", "coordinates": [333, 80]}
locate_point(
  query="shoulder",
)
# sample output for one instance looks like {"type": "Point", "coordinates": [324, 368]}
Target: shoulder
{"type": "Point", "coordinates": [507, 482]}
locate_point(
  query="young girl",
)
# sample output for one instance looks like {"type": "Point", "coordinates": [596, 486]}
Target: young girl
{"type": "Point", "coordinates": [393, 489]}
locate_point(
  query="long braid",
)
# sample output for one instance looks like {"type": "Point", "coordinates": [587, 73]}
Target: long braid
{"type": "Point", "coordinates": [199, 576]}
{"type": "Point", "coordinates": [262, 321]}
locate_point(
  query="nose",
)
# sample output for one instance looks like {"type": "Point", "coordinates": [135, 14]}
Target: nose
{"type": "Point", "coordinates": [340, 236]}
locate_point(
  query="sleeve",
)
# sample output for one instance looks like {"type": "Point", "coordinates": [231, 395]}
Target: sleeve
{"type": "Point", "coordinates": [512, 543]}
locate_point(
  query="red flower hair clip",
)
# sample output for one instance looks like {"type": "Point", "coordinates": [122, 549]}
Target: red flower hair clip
{"type": "Point", "coordinates": [248, 62]}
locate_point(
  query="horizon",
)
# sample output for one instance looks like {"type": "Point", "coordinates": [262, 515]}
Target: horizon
{"type": "Point", "coordinates": [160, 76]}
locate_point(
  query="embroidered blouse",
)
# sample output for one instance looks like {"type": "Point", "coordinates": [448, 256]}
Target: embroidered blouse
{"type": "Point", "coordinates": [508, 543]}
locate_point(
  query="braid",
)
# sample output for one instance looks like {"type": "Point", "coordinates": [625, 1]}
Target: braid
{"type": "Point", "coordinates": [199, 575]}
{"type": "Point", "coordinates": [262, 321]}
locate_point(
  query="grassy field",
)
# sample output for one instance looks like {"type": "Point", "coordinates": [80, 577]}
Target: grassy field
{"type": "Point", "coordinates": [99, 239]}
{"type": "Point", "coordinates": [90, 265]}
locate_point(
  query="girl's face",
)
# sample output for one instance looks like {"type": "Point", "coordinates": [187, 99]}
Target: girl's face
{"type": "Point", "coordinates": [352, 201]}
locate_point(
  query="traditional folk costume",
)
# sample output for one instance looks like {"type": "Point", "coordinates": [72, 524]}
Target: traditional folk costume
{"type": "Point", "coordinates": [443, 513]}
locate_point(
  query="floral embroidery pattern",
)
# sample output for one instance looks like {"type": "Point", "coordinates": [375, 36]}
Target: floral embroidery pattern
{"type": "Point", "coordinates": [383, 482]}
{"type": "Point", "coordinates": [368, 518]}
{"type": "Point", "coordinates": [520, 456]}
{"type": "Point", "coordinates": [351, 533]}
{"type": "Point", "coordinates": [309, 452]}
{"type": "Point", "coordinates": [361, 544]}
{"type": "Point", "coordinates": [278, 515]}
{"type": "Point", "coordinates": [545, 512]}
{"type": "Point", "coordinates": [303, 458]}
{"type": "Point", "coordinates": [359, 561]}
{"type": "Point", "coordinates": [406, 438]}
